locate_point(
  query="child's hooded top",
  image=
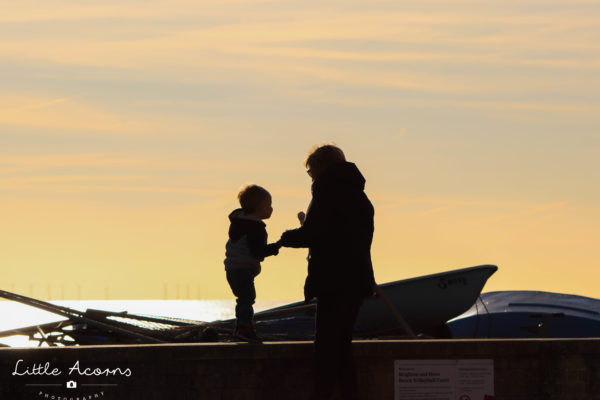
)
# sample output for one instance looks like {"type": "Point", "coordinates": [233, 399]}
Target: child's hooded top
{"type": "Point", "coordinates": [247, 245]}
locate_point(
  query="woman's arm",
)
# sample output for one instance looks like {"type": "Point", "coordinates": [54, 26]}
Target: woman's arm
{"type": "Point", "coordinates": [311, 231]}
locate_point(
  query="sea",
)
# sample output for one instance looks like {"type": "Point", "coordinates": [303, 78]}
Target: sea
{"type": "Point", "coordinates": [16, 315]}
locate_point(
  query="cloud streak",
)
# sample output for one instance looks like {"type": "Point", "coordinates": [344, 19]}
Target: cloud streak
{"type": "Point", "coordinates": [64, 113]}
{"type": "Point", "coordinates": [528, 212]}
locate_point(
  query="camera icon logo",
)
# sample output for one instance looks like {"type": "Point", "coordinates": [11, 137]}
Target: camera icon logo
{"type": "Point", "coordinates": [71, 385]}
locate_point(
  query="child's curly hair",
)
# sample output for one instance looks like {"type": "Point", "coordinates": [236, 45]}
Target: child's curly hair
{"type": "Point", "coordinates": [251, 196]}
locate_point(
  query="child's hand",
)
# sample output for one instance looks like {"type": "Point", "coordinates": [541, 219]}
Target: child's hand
{"type": "Point", "coordinates": [301, 217]}
{"type": "Point", "coordinates": [276, 246]}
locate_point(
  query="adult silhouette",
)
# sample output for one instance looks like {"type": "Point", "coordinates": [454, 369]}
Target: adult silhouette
{"type": "Point", "coordinates": [338, 231]}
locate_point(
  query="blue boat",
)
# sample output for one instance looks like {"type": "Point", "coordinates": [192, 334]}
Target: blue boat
{"type": "Point", "coordinates": [528, 314]}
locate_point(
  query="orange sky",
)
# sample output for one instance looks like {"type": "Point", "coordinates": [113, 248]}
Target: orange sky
{"type": "Point", "coordinates": [127, 131]}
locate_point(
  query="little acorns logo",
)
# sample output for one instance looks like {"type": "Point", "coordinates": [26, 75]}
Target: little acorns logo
{"type": "Point", "coordinates": [47, 370]}
{"type": "Point", "coordinates": [74, 387]}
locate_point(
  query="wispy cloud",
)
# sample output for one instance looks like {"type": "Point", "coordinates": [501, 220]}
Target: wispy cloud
{"type": "Point", "coordinates": [122, 161]}
{"type": "Point", "coordinates": [64, 113]}
{"type": "Point", "coordinates": [390, 200]}
{"type": "Point", "coordinates": [69, 179]}
{"type": "Point", "coordinates": [494, 211]}
{"type": "Point", "coordinates": [294, 43]}
{"type": "Point", "coordinates": [77, 187]}
{"type": "Point", "coordinates": [528, 212]}
{"type": "Point", "coordinates": [30, 106]}
{"type": "Point", "coordinates": [62, 10]}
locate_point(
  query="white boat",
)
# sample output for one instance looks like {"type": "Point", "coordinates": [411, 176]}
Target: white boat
{"type": "Point", "coordinates": [425, 303]}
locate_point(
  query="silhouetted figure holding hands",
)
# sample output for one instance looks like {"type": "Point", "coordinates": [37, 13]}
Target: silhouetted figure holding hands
{"type": "Point", "coordinates": [338, 230]}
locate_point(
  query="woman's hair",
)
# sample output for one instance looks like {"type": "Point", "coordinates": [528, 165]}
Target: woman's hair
{"type": "Point", "coordinates": [323, 156]}
{"type": "Point", "coordinates": [251, 196]}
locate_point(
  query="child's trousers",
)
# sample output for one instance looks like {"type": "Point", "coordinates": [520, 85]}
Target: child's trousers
{"type": "Point", "coordinates": [241, 282]}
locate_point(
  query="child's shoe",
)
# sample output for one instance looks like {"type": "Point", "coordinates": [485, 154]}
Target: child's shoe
{"type": "Point", "coordinates": [247, 333]}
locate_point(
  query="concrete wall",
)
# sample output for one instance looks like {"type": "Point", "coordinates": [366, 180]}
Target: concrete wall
{"type": "Point", "coordinates": [524, 369]}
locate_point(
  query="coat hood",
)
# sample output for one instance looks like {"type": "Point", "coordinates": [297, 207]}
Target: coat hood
{"type": "Point", "coordinates": [241, 224]}
{"type": "Point", "coordinates": [340, 176]}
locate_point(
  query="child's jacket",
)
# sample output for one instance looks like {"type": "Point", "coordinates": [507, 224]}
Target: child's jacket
{"type": "Point", "coordinates": [247, 245]}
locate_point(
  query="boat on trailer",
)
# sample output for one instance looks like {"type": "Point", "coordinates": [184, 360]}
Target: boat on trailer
{"type": "Point", "coordinates": [423, 303]}
{"type": "Point", "coordinates": [529, 314]}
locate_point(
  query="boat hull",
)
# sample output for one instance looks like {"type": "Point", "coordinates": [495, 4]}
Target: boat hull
{"type": "Point", "coordinates": [424, 302]}
{"type": "Point", "coordinates": [529, 314]}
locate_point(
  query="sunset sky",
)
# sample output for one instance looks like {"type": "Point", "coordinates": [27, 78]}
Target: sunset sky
{"type": "Point", "coordinates": [127, 128]}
